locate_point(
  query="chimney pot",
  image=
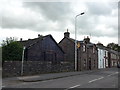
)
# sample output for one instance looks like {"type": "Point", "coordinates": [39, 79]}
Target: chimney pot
{"type": "Point", "coordinates": [38, 35]}
{"type": "Point", "coordinates": [67, 34]}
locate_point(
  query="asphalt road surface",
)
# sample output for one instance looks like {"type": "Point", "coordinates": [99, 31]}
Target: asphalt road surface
{"type": "Point", "coordinates": [99, 79]}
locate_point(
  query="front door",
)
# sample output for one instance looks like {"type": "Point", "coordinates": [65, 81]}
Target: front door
{"type": "Point", "coordinates": [89, 66]}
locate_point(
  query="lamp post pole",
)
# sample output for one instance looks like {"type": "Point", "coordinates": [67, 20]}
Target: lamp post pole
{"type": "Point", "coordinates": [76, 40]}
{"type": "Point", "coordinates": [22, 60]}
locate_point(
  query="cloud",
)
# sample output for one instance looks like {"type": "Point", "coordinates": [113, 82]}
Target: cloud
{"type": "Point", "coordinates": [102, 8]}
{"type": "Point", "coordinates": [99, 20]}
{"type": "Point", "coordinates": [37, 16]}
{"type": "Point", "coordinates": [53, 11]}
{"type": "Point", "coordinates": [15, 16]}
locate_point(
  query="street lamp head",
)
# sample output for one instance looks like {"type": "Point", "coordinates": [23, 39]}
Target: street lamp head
{"type": "Point", "coordinates": [82, 13]}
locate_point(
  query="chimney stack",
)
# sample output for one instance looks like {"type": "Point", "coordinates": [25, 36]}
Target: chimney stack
{"type": "Point", "coordinates": [67, 34]}
{"type": "Point", "coordinates": [20, 39]}
{"type": "Point", "coordinates": [87, 40]}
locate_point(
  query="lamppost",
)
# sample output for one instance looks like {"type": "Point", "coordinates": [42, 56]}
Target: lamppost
{"type": "Point", "coordinates": [76, 40]}
{"type": "Point", "coordinates": [22, 60]}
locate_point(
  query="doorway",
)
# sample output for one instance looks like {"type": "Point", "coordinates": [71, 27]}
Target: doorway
{"type": "Point", "coordinates": [89, 66]}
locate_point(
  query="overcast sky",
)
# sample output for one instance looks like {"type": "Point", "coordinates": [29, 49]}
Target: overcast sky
{"type": "Point", "coordinates": [23, 19]}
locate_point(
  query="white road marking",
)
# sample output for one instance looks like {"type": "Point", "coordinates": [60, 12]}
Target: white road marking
{"type": "Point", "coordinates": [95, 79]}
{"type": "Point", "coordinates": [72, 87]}
{"type": "Point", "coordinates": [75, 86]}
{"type": "Point", "coordinates": [113, 74]}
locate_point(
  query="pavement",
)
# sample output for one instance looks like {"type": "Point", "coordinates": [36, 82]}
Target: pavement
{"type": "Point", "coordinates": [42, 77]}
{"type": "Point", "coordinates": [51, 76]}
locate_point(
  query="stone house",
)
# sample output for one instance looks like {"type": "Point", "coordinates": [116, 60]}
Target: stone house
{"type": "Point", "coordinates": [86, 52]}
{"type": "Point", "coordinates": [67, 44]}
{"type": "Point", "coordinates": [113, 57]}
{"type": "Point", "coordinates": [87, 55]}
{"type": "Point", "coordinates": [43, 48]}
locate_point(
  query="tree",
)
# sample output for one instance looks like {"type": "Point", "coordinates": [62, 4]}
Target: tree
{"type": "Point", "coordinates": [11, 50]}
{"type": "Point", "coordinates": [114, 46]}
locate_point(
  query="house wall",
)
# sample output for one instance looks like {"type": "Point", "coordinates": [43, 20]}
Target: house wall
{"type": "Point", "coordinates": [92, 58]}
{"type": "Point", "coordinates": [118, 58]}
{"type": "Point", "coordinates": [45, 50]}
{"type": "Point", "coordinates": [87, 60]}
{"type": "Point", "coordinates": [82, 58]}
{"type": "Point", "coordinates": [69, 49]}
{"type": "Point", "coordinates": [114, 60]}
{"type": "Point", "coordinates": [106, 59]}
{"type": "Point", "coordinates": [101, 59]}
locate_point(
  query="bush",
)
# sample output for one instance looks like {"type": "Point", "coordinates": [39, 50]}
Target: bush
{"type": "Point", "coordinates": [12, 51]}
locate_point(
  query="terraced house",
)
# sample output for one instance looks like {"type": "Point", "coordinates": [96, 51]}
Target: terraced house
{"type": "Point", "coordinates": [86, 52]}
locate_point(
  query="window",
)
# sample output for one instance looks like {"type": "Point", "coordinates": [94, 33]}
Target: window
{"type": "Point", "coordinates": [83, 48]}
{"type": "Point", "coordinates": [93, 50]}
{"type": "Point", "coordinates": [84, 62]}
{"type": "Point", "coordinates": [106, 53]}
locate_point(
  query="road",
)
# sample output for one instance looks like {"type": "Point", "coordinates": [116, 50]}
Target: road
{"type": "Point", "coordinates": [99, 79]}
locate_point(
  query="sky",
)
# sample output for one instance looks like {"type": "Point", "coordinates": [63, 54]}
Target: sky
{"type": "Point", "coordinates": [27, 18]}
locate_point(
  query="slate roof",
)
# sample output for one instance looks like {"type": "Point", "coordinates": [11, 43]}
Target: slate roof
{"type": "Point", "coordinates": [90, 45]}
{"type": "Point", "coordinates": [73, 40]}
{"type": "Point", "coordinates": [108, 49]}
{"type": "Point", "coordinates": [113, 51]}
{"type": "Point", "coordinates": [30, 42]}
{"type": "Point", "coordinates": [101, 47]}
{"type": "Point", "coordinates": [70, 39]}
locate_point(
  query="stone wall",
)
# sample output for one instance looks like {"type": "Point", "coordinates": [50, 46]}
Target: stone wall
{"type": "Point", "coordinates": [13, 68]}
